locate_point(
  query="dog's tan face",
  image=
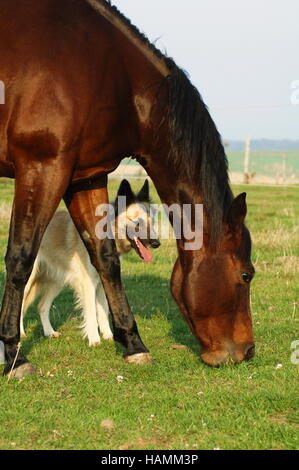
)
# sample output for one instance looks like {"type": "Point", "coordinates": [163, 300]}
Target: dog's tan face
{"type": "Point", "coordinates": [135, 223]}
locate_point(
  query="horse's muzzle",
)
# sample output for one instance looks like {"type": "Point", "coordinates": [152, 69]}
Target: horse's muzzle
{"type": "Point", "coordinates": [232, 354]}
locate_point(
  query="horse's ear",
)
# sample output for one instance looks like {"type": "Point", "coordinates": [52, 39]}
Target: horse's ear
{"type": "Point", "coordinates": [143, 194]}
{"type": "Point", "coordinates": [237, 212]}
{"type": "Point", "coordinates": [125, 190]}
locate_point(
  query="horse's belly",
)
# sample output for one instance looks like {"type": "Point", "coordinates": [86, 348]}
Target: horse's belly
{"type": "Point", "coordinates": [7, 169]}
{"type": "Point", "coordinates": [95, 172]}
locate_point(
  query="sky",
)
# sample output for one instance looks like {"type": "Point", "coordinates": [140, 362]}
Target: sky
{"type": "Point", "coordinates": [242, 55]}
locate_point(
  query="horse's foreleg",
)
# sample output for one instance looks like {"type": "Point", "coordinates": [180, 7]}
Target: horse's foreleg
{"type": "Point", "coordinates": [38, 190]}
{"type": "Point", "coordinates": [82, 207]}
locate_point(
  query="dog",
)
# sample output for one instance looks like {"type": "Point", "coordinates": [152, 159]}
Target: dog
{"type": "Point", "coordinates": [63, 260]}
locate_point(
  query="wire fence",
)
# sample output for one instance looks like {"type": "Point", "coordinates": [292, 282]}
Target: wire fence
{"type": "Point", "coordinates": [265, 167]}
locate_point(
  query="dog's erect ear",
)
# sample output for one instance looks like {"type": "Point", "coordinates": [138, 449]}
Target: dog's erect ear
{"type": "Point", "coordinates": [125, 190]}
{"type": "Point", "coordinates": [143, 194]}
{"type": "Point", "coordinates": [237, 212]}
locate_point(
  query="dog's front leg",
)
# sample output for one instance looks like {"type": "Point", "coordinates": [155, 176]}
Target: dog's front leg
{"type": "Point", "coordinates": [103, 313]}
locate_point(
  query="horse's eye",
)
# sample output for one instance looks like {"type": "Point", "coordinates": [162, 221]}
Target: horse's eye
{"type": "Point", "coordinates": [247, 277]}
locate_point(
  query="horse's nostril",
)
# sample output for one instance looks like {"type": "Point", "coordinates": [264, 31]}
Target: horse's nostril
{"type": "Point", "coordinates": [249, 352]}
{"type": "Point", "coordinates": [155, 244]}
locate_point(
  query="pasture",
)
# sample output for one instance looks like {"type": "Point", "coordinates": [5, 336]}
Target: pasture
{"type": "Point", "coordinates": [87, 398]}
{"type": "Point", "coordinates": [266, 162]}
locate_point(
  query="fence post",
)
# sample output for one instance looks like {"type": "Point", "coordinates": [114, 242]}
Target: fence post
{"type": "Point", "coordinates": [246, 161]}
{"type": "Point", "coordinates": [284, 168]}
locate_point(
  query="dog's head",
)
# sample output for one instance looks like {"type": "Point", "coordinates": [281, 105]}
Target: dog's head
{"type": "Point", "coordinates": [135, 221]}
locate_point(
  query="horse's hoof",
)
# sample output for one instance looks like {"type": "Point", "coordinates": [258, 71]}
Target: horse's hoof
{"type": "Point", "coordinates": [21, 371]}
{"type": "Point", "coordinates": [139, 359]}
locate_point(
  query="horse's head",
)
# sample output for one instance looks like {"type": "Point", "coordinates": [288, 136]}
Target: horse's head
{"type": "Point", "coordinates": [212, 289]}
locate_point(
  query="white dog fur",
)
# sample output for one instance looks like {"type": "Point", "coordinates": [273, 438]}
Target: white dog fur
{"type": "Point", "coordinates": [63, 260]}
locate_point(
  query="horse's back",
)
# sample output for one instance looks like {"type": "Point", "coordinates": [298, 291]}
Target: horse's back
{"type": "Point", "coordinates": [49, 37]}
{"type": "Point", "coordinates": [53, 54]}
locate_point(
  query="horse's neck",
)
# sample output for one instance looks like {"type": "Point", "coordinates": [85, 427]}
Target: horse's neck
{"type": "Point", "coordinates": [129, 37]}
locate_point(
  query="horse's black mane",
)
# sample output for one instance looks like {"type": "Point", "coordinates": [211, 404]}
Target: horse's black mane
{"type": "Point", "coordinates": [133, 28]}
{"type": "Point", "coordinates": [196, 151]}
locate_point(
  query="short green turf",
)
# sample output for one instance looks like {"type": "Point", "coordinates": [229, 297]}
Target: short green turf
{"type": "Point", "coordinates": [178, 403]}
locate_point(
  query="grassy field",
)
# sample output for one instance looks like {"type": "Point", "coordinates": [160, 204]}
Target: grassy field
{"type": "Point", "coordinates": [266, 162]}
{"type": "Point", "coordinates": [262, 162]}
{"type": "Point", "coordinates": [78, 401]}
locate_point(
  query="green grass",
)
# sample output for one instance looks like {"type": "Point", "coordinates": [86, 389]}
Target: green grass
{"type": "Point", "coordinates": [179, 403]}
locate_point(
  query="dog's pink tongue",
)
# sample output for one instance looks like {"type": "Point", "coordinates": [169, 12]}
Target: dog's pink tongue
{"type": "Point", "coordinates": [145, 254]}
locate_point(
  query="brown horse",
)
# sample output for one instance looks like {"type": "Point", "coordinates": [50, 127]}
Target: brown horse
{"type": "Point", "coordinates": [84, 89]}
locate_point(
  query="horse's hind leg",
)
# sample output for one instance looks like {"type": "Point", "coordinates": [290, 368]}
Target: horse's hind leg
{"type": "Point", "coordinates": [82, 207]}
{"type": "Point", "coordinates": [38, 190]}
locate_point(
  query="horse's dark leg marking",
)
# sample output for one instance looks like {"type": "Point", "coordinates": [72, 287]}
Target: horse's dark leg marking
{"type": "Point", "coordinates": [124, 325]}
{"type": "Point", "coordinates": [38, 190]}
{"type": "Point", "coordinates": [82, 205]}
